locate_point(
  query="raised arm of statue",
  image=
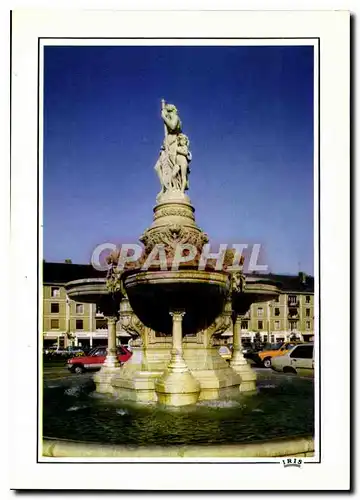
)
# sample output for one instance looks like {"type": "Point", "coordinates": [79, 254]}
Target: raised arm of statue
{"type": "Point", "coordinates": [171, 118]}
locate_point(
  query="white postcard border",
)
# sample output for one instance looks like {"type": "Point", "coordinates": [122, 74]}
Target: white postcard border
{"type": "Point", "coordinates": [333, 30]}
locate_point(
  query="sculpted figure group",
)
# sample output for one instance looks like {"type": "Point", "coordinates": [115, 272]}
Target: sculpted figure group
{"type": "Point", "coordinates": [172, 166]}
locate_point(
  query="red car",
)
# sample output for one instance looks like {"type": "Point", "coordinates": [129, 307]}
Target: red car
{"type": "Point", "coordinates": [95, 359]}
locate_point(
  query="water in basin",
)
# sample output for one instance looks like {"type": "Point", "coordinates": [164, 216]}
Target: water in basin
{"type": "Point", "coordinates": [282, 407]}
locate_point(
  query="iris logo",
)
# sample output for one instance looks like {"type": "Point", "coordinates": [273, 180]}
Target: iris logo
{"type": "Point", "coordinates": [292, 462]}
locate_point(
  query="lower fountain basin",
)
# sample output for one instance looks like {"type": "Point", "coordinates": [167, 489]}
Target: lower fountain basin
{"type": "Point", "coordinates": [153, 294]}
{"type": "Point", "coordinates": [72, 411]}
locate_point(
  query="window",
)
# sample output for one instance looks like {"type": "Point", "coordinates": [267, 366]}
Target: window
{"type": "Point", "coordinates": [293, 325]}
{"type": "Point", "coordinates": [265, 338]}
{"type": "Point", "coordinates": [55, 291]}
{"type": "Point", "coordinates": [302, 352]}
{"type": "Point", "coordinates": [54, 307]}
{"type": "Point", "coordinates": [260, 312]}
{"type": "Point", "coordinates": [54, 324]}
{"type": "Point", "coordinates": [244, 325]}
{"type": "Point", "coordinates": [79, 324]}
{"type": "Point", "coordinates": [79, 308]}
{"type": "Point", "coordinates": [307, 313]}
{"type": "Point", "coordinates": [307, 299]}
{"type": "Point", "coordinates": [272, 339]}
{"type": "Point", "coordinates": [293, 299]}
{"type": "Point", "coordinates": [277, 311]}
{"type": "Point", "coordinates": [260, 325]}
{"type": "Point", "coordinates": [101, 324]}
{"type": "Point", "coordinates": [100, 352]}
{"type": "Point", "coordinates": [277, 299]}
{"type": "Point", "coordinates": [277, 325]}
{"type": "Point", "coordinates": [308, 325]}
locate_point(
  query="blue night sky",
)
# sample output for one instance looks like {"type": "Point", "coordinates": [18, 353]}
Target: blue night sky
{"type": "Point", "coordinates": [248, 112]}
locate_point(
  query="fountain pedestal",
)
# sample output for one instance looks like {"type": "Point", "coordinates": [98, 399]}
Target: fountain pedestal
{"type": "Point", "coordinates": [177, 386]}
{"type": "Point", "coordinates": [238, 363]}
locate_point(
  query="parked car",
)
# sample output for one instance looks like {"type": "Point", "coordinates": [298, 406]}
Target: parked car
{"type": "Point", "coordinates": [248, 348]}
{"type": "Point", "coordinates": [300, 360]}
{"type": "Point", "coordinates": [65, 352]}
{"type": "Point", "coordinates": [74, 351]}
{"type": "Point", "coordinates": [264, 357]}
{"type": "Point", "coordinates": [95, 359]}
{"type": "Point", "coordinates": [49, 350]}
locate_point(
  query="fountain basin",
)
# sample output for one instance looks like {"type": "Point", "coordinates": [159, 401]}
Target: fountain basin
{"type": "Point", "coordinates": [288, 447]}
{"type": "Point", "coordinates": [256, 290]}
{"type": "Point", "coordinates": [94, 291]}
{"type": "Point", "coordinates": [153, 294]}
{"type": "Point", "coordinates": [89, 290]}
{"type": "Point", "coordinates": [241, 425]}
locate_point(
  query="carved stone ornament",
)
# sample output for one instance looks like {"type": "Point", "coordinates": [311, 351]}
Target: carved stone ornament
{"type": "Point", "coordinates": [172, 235]}
{"type": "Point", "coordinates": [222, 323]}
{"type": "Point", "coordinates": [238, 281]}
{"type": "Point", "coordinates": [113, 280]}
{"type": "Point", "coordinates": [131, 324]}
{"type": "Point", "coordinates": [174, 211]}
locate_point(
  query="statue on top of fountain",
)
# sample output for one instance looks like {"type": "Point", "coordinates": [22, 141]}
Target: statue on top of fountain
{"type": "Point", "coordinates": [172, 166]}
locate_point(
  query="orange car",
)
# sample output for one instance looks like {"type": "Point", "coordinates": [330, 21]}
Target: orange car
{"type": "Point", "coordinates": [264, 357]}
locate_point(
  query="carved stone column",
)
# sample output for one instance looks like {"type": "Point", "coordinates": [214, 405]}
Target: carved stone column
{"type": "Point", "coordinates": [111, 360]}
{"type": "Point", "coordinates": [177, 386]}
{"type": "Point", "coordinates": [238, 362]}
{"type": "Point", "coordinates": [177, 363]}
{"type": "Point", "coordinates": [237, 358]}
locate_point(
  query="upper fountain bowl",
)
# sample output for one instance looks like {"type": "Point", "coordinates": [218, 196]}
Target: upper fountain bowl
{"type": "Point", "coordinates": [89, 290]}
{"type": "Point", "coordinates": [154, 294]}
{"type": "Point", "coordinates": [257, 289]}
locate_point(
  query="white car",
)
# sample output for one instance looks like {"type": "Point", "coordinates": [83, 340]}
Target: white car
{"type": "Point", "coordinates": [299, 360]}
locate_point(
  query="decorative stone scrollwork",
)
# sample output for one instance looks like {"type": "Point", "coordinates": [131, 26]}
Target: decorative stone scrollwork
{"type": "Point", "coordinates": [174, 211]}
{"type": "Point", "coordinates": [222, 323]}
{"type": "Point", "coordinates": [113, 280]}
{"type": "Point", "coordinates": [172, 235]}
{"type": "Point", "coordinates": [157, 337]}
{"type": "Point", "coordinates": [237, 283]}
{"type": "Point", "coordinates": [132, 324]}
{"type": "Point", "coordinates": [129, 321]}
{"type": "Point", "coordinates": [113, 277]}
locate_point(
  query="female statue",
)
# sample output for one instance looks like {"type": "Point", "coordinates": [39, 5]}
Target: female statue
{"type": "Point", "coordinates": [172, 165]}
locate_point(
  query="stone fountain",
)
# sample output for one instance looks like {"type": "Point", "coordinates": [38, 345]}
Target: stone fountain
{"type": "Point", "coordinates": [174, 302]}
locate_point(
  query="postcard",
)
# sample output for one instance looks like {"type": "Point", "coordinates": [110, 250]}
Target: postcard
{"type": "Point", "coordinates": [180, 184]}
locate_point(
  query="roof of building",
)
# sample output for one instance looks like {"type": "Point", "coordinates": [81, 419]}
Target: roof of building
{"type": "Point", "coordinates": [295, 283]}
{"type": "Point", "coordinates": [59, 272]}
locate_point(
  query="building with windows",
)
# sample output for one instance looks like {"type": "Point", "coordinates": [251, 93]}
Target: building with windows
{"type": "Point", "coordinates": [290, 315]}
{"type": "Point", "coordinates": [66, 322]}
